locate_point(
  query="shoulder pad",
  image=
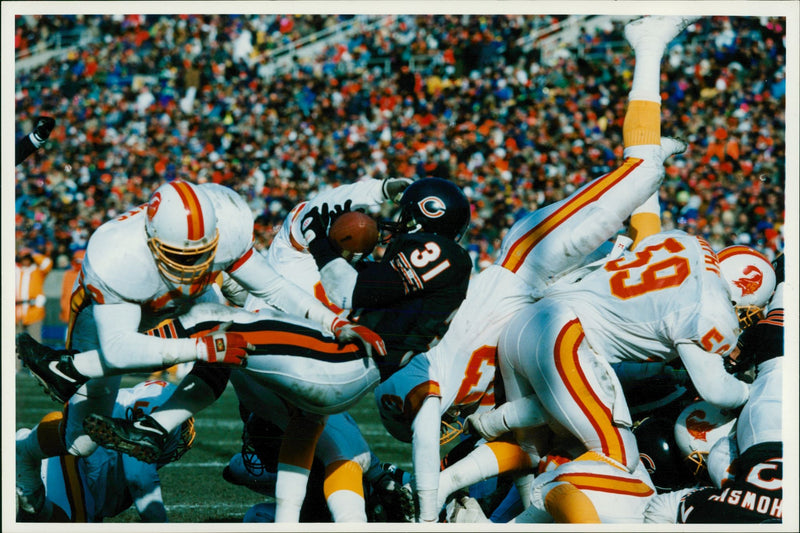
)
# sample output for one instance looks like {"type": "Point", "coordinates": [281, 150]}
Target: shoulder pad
{"type": "Point", "coordinates": [118, 262]}
{"type": "Point", "coordinates": [234, 221]}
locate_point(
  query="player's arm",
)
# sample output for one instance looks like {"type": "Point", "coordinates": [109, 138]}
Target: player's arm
{"type": "Point", "coordinates": [256, 275]}
{"type": "Point", "coordinates": [710, 379]}
{"type": "Point", "coordinates": [425, 456]}
{"type": "Point", "coordinates": [144, 485]}
{"type": "Point", "coordinates": [30, 143]}
{"type": "Point", "coordinates": [124, 348]}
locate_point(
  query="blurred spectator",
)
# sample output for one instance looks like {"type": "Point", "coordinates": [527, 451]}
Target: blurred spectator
{"type": "Point", "coordinates": [67, 282]}
{"type": "Point", "coordinates": [452, 96]}
{"type": "Point", "coordinates": [30, 271]}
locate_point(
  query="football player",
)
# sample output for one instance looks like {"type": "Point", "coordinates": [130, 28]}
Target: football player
{"type": "Point", "coordinates": [146, 266]}
{"type": "Point", "coordinates": [408, 295]}
{"type": "Point", "coordinates": [755, 493]}
{"type": "Point", "coordinates": [106, 483]}
{"type": "Point", "coordinates": [538, 250]}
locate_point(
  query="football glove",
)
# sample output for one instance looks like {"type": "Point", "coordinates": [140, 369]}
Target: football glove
{"type": "Point", "coordinates": [348, 332]}
{"type": "Point", "coordinates": [315, 223]}
{"type": "Point", "coordinates": [224, 348]}
{"type": "Point", "coordinates": [43, 128]}
{"type": "Point", "coordinates": [337, 211]}
{"type": "Point", "coordinates": [318, 219]}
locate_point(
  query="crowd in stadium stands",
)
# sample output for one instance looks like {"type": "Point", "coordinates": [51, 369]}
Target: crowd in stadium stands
{"type": "Point", "coordinates": [163, 97]}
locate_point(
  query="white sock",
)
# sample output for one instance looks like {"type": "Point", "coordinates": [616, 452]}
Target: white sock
{"type": "Point", "coordinates": [645, 84]}
{"type": "Point", "coordinates": [347, 506]}
{"type": "Point", "coordinates": [290, 491]}
{"type": "Point", "coordinates": [479, 465]}
{"type": "Point", "coordinates": [30, 446]}
{"type": "Point", "coordinates": [89, 364]}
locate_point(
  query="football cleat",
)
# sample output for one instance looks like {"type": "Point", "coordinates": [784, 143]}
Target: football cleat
{"type": "Point", "coordinates": [259, 480]}
{"type": "Point", "coordinates": [671, 146]}
{"type": "Point", "coordinates": [142, 438]}
{"type": "Point", "coordinates": [655, 29]}
{"type": "Point", "coordinates": [395, 496]}
{"type": "Point", "coordinates": [29, 487]}
{"type": "Point", "coordinates": [54, 369]}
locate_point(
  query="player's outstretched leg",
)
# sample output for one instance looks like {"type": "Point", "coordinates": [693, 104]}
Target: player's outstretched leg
{"type": "Point", "coordinates": [649, 37]}
{"type": "Point", "coordinates": [655, 32]}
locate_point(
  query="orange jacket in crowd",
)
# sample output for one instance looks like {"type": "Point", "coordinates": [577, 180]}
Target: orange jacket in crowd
{"type": "Point", "coordinates": [31, 270]}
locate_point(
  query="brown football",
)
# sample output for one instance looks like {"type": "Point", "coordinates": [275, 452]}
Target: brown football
{"type": "Point", "coordinates": [355, 232]}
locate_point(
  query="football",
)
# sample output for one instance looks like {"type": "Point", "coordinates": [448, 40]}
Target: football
{"type": "Point", "coordinates": [354, 232]}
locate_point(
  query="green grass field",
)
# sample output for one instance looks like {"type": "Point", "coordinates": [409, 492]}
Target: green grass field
{"type": "Point", "coordinates": [187, 484]}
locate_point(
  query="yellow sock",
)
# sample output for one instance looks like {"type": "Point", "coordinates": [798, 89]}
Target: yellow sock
{"type": "Point", "coordinates": [642, 123]}
{"type": "Point", "coordinates": [509, 456]}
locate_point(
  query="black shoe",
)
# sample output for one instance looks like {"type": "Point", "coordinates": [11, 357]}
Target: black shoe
{"type": "Point", "coordinates": [395, 497]}
{"type": "Point", "coordinates": [54, 369]}
{"type": "Point", "coordinates": [142, 438]}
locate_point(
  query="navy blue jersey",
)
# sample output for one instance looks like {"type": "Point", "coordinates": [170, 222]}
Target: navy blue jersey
{"type": "Point", "coordinates": [755, 495]}
{"type": "Point", "coordinates": [409, 296]}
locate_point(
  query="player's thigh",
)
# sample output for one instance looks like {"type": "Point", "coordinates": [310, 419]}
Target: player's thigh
{"type": "Point", "coordinates": [319, 386]}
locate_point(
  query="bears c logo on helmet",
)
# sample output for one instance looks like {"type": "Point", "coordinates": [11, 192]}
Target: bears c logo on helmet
{"type": "Point", "coordinates": [432, 206]}
{"type": "Point", "coordinates": [752, 282]}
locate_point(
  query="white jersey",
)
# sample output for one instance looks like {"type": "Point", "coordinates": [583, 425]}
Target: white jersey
{"type": "Point", "coordinates": [666, 292]}
{"type": "Point", "coordinates": [107, 483]}
{"type": "Point", "coordinates": [120, 269]}
{"type": "Point", "coordinates": [538, 251]}
{"type": "Point", "coordinates": [288, 253]}
{"type": "Point", "coordinates": [119, 266]}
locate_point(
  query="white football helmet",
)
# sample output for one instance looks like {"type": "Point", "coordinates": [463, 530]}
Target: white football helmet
{"type": "Point", "coordinates": [719, 460]}
{"type": "Point", "coordinates": [182, 232]}
{"type": "Point", "coordinates": [699, 426]}
{"type": "Point", "coordinates": [750, 279]}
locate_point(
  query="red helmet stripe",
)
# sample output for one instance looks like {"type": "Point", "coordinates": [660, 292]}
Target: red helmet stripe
{"type": "Point", "coordinates": [739, 249]}
{"type": "Point", "coordinates": [194, 213]}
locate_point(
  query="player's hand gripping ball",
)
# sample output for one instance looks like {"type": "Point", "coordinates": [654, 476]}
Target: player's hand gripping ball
{"type": "Point", "coordinates": [354, 233]}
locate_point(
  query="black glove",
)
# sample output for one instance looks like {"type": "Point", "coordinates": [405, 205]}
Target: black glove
{"type": "Point", "coordinates": [315, 224]}
{"type": "Point", "coordinates": [337, 211]}
{"type": "Point", "coordinates": [43, 128]}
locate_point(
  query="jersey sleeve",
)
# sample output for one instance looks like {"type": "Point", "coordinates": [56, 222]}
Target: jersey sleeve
{"type": "Point", "coordinates": [714, 325]}
{"type": "Point", "coordinates": [365, 195]}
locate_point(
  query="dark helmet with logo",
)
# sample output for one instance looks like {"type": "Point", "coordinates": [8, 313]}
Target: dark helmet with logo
{"type": "Point", "coordinates": [432, 205]}
{"type": "Point", "coordinates": [660, 454]}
